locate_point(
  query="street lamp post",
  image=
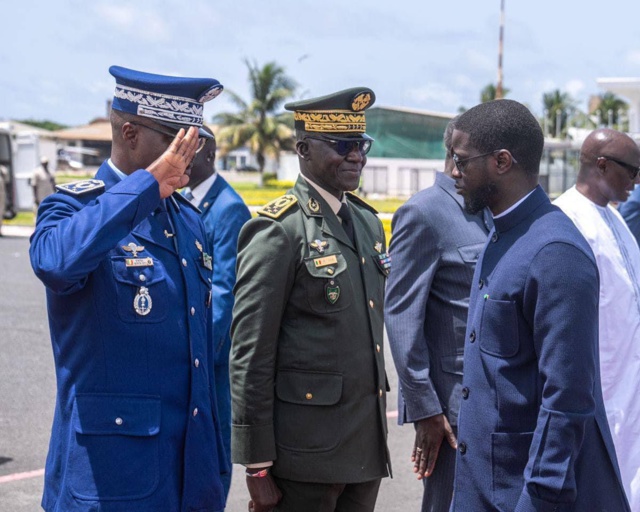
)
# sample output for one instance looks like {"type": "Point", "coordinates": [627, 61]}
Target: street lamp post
{"type": "Point", "coordinates": [499, 90]}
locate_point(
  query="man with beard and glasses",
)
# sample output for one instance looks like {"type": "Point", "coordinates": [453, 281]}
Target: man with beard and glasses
{"type": "Point", "coordinates": [127, 270]}
{"type": "Point", "coordinates": [435, 246]}
{"type": "Point", "coordinates": [532, 432]}
{"type": "Point", "coordinates": [609, 165]}
{"type": "Point", "coordinates": [308, 383]}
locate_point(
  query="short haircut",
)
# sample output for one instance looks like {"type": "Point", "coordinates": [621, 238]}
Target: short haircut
{"type": "Point", "coordinates": [448, 133]}
{"type": "Point", "coordinates": [505, 124]}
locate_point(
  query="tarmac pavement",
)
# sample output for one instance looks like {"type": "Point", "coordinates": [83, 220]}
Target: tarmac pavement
{"type": "Point", "coordinates": [27, 396]}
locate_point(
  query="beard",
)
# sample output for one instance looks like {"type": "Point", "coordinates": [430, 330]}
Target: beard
{"type": "Point", "coordinates": [480, 198]}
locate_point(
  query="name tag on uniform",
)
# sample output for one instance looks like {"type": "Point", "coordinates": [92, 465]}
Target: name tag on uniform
{"type": "Point", "coordinates": [323, 262]}
{"type": "Point", "coordinates": [139, 262]}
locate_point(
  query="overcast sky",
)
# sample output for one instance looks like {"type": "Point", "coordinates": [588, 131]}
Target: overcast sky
{"type": "Point", "coordinates": [423, 54]}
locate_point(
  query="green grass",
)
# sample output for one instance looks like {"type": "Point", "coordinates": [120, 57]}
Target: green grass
{"type": "Point", "coordinates": [21, 219]}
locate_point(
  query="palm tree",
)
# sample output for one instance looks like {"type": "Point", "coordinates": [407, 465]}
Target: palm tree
{"type": "Point", "coordinates": [558, 107]}
{"type": "Point", "coordinates": [610, 110]}
{"type": "Point", "coordinates": [489, 93]}
{"type": "Point", "coordinates": [258, 124]}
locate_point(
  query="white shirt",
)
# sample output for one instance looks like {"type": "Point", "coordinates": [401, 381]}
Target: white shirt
{"type": "Point", "coordinates": [618, 259]}
{"type": "Point", "coordinates": [201, 190]}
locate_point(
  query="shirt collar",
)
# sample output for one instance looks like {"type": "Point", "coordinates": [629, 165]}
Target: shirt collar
{"type": "Point", "coordinates": [333, 202]}
{"type": "Point", "coordinates": [118, 172]}
{"type": "Point", "coordinates": [512, 207]}
{"type": "Point", "coordinates": [199, 191]}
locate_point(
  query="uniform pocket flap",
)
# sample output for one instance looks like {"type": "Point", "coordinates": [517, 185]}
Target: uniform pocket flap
{"type": "Point", "coordinates": [127, 415]}
{"type": "Point", "coordinates": [137, 271]}
{"type": "Point", "coordinates": [309, 388]}
{"type": "Point", "coordinates": [470, 253]}
{"type": "Point", "coordinates": [326, 265]}
{"type": "Point", "coordinates": [452, 364]}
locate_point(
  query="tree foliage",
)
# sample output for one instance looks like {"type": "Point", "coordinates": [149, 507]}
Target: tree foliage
{"type": "Point", "coordinates": [45, 124]}
{"type": "Point", "coordinates": [611, 110]}
{"type": "Point", "coordinates": [488, 93]}
{"type": "Point", "coordinates": [558, 107]}
{"type": "Point", "coordinates": [259, 124]}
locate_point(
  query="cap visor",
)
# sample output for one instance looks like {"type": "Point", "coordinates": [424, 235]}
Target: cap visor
{"type": "Point", "coordinates": [357, 136]}
{"type": "Point", "coordinates": [201, 132]}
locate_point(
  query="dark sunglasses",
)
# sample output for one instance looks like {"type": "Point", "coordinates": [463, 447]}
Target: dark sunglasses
{"type": "Point", "coordinates": [631, 169]}
{"type": "Point", "coordinates": [201, 140]}
{"type": "Point", "coordinates": [344, 147]}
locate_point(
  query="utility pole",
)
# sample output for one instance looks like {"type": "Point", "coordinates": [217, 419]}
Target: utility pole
{"type": "Point", "coordinates": [499, 91]}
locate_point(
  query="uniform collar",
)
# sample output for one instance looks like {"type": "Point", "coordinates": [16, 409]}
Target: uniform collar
{"type": "Point", "coordinates": [201, 190]}
{"type": "Point", "coordinates": [524, 208]}
{"type": "Point", "coordinates": [333, 202]}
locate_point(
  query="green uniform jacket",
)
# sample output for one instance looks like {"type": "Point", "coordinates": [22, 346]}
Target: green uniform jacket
{"type": "Point", "coordinates": [307, 364]}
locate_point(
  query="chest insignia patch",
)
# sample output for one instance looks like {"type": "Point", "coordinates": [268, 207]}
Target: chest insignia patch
{"type": "Point", "coordinates": [199, 245]}
{"type": "Point", "coordinates": [378, 247]}
{"type": "Point", "coordinates": [319, 246]}
{"type": "Point", "coordinates": [142, 302]}
{"type": "Point", "coordinates": [383, 261]}
{"type": "Point", "coordinates": [78, 188]}
{"type": "Point", "coordinates": [133, 248]}
{"type": "Point", "coordinates": [331, 291]}
{"type": "Point", "coordinates": [323, 262]}
{"type": "Point", "coordinates": [207, 261]}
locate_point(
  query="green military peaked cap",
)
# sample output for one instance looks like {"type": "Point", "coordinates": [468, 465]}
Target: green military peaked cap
{"type": "Point", "coordinates": [339, 113]}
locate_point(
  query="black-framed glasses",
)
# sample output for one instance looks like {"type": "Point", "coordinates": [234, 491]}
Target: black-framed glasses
{"type": "Point", "coordinates": [344, 147]}
{"type": "Point", "coordinates": [631, 169]}
{"type": "Point", "coordinates": [461, 162]}
{"type": "Point", "coordinates": [201, 140]}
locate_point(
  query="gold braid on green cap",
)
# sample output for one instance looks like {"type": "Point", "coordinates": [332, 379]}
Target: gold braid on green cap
{"type": "Point", "coordinates": [340, 112]}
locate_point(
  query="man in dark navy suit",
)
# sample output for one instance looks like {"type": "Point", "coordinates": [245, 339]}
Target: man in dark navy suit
{"type": "Point", "coordinates": [532, 432]}
{"type": "Point", "coordinates": [127, 270]}
{"type": "Point", "coordinates": [435, 246]}
{"type": "Point", "coordinates": [223, 214]}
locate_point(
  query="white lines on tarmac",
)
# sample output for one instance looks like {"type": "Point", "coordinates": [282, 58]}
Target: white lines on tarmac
{"type": "Point", "coordinates": [21, 476]}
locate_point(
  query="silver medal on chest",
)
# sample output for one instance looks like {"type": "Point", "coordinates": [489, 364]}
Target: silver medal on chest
{"type": "Point", "coordinates": [142, 302]}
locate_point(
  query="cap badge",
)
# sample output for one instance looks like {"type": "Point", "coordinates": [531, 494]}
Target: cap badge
{"type": "Point", "coordinates": [361, 101]}
{"type": "Point", "coordinates": [378, 247]}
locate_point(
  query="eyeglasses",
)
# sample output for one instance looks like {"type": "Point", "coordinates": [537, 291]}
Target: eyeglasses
{"type": "Point", "coordinates": [344, 147]}
{"type": "Point", "coordinates": [201, 140]}
{"type": "Point", "coordinates": [461, 162]}
{"type": "Point", "coordinates": [631, 169]}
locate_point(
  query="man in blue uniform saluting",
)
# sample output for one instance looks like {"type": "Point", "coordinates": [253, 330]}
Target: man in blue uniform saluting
{"type": "Point", "coordinates": [128, 272]}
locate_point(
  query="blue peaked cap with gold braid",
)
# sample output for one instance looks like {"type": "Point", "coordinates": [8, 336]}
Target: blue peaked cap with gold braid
{"type": "Point", "coordinates": [340, 114]}
{"type": "Point", "coordinates": [174, 101]}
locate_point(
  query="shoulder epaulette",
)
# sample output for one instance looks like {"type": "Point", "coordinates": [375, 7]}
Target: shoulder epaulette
{"type": "Point", "coordinates": [79, 188]}
{"type": "Point", "coordinates": [358, 200]}
{"type": "Point", "coordinates": [278, 206]}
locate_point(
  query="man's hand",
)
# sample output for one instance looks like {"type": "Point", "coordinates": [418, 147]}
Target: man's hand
{"type": "Point", "coordinates": [264, 493]}
{"type": "Point", "coordinates": [429, 435]}
{"type": "Point", "coordinates": [170, 168]}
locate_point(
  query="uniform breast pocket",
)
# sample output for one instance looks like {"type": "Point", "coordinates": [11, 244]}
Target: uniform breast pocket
{"type": "Point", "coordinates": [470, 253]}
{"type": "Point", "coordinates": [499, 328]}
{"type": "Point", "coordinates": [327, 283]}
{"type": "Point", "coordinates": [113, 448]}
{"type": "Point", "coordinates": [141, 290]}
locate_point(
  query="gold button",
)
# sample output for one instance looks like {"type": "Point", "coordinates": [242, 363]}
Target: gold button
{"type": "Point", "coordinates": [380, 392]}
{"type": "Point", "coordinates": [119, 421]}
{"type": "Point", "coordinates": [142, 277]}
{"type": "Point", "coordinates": [330, 271]}
{"type": "Point", "coordinates": [195, 411]}
{"type": "Point", "coordinates": [196, 363]}
{"type": "Point", "coordinates": [378, 348]}
{"type": "Point", "coordinates": [193, 311]}
{"type": "Point", "coordinates": [371, 303]}
{"type": "Point", "coordinates": [363, 260]}
{"type": "Point", "coordinates": [184, 262]}
{"type": "Point", "coordinates": [308, 396]}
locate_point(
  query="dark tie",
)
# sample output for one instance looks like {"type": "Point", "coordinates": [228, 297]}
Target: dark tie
{"type": "Point", "coordinates": [187, 193]}
{"type": "Point", "coordinates": [347, 222]}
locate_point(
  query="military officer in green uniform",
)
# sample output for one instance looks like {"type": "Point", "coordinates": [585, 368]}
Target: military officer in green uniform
{"type": "Point", "coordinates": [307, 369]}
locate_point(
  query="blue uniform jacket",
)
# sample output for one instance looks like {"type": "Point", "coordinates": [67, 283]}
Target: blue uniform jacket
{"type": "Point", "coordinates": [533, 434]}
{"type": "Point", "coordinates": [223, 214]}
{"type": "Point", "coordinates": [135, 424]}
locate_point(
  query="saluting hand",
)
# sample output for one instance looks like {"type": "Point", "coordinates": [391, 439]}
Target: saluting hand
{"type": "Point", "coordinates": [429, 435]}
{"type": "Point", "coordinates": [169, 169]}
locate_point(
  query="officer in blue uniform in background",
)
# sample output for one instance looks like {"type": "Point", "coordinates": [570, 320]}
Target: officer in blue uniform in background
{"type": "Point", "coordinates": [223, 214]}
{"type": "Point", "coordinates": [128, 273]}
